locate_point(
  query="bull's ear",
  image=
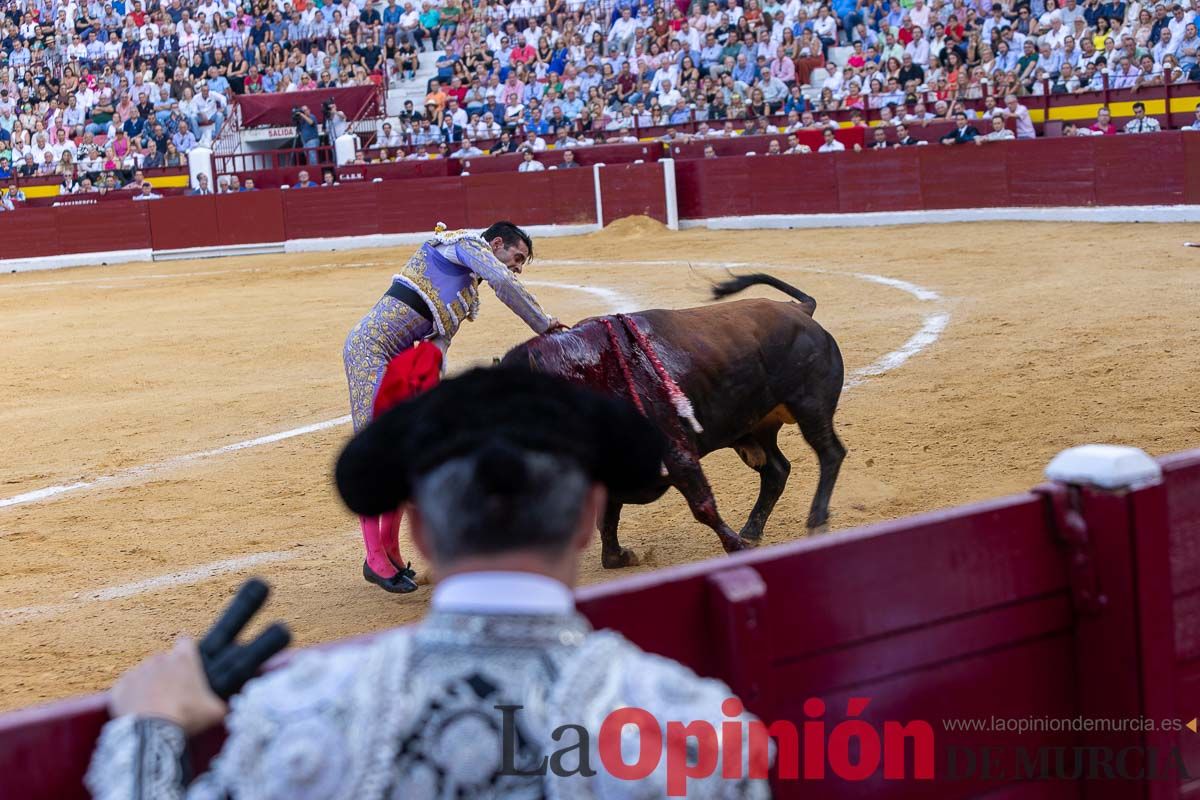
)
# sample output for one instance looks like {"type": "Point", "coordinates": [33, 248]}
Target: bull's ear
{"type": "Point", "coordinates": [629, 449]}
{"type": "Point", "coordinates": [372, 470]}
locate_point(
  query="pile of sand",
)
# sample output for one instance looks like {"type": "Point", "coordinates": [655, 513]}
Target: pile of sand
{"type": "Point", "coordinates": [631, 227]}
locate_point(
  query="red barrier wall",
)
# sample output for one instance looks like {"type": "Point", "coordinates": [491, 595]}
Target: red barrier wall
{"type": "Point", "coordinates": [1009, 628]}
{"type": "Point", "coordinates": [633, 189]}
{"type": "Point", "coordinates": [249, 217]}
{"type": "Point", "coordinates": [1080, 171]}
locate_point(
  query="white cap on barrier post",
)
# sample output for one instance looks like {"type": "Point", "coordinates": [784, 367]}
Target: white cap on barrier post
{"type": "Point", "coordinates": [1107, 466]}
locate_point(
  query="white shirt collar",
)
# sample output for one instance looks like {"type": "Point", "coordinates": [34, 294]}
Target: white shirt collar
{"type": "Point", "coordinates": [502, 593]}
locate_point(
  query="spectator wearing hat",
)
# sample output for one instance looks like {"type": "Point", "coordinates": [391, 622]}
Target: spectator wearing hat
{"type": "Point", "coordinates": [506, 471]}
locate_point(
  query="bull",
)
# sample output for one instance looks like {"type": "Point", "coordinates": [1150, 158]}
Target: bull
{"type": "Point", "coordinates": [725, 375]}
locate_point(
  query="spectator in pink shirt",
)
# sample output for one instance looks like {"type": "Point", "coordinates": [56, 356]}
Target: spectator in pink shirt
{"type": "Point", "coordinates": [783, 67]}
{"type": "Point", "coordinates": [1104, 124]}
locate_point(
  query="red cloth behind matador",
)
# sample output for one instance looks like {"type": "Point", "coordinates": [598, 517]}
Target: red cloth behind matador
{"type": "Point", "coordinates": [418, 369]}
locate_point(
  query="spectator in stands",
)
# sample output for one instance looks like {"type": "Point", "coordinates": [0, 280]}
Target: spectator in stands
{"type": "Point", "coordinates": [831, 145]}
{"type": "Point", "coordinates": [201, 187]}
{"type": "Point", "coordinates": [904, 138]}
{"type": "Point", "coordinates": [878, 139]}
{"type": "Point", "coordinates": [14, 194]}
{"type": "Point", "coordinates": [147, 192]}
{"type": "Point", "coordinates": [466, 150]}
{"type": "Point", "coordinates": [529, 163]}
{"type": "Point", "coordinates": [795, 148]}
{"type": "Point", "coordinates": [327, 179]}
{"type": "Point", "coordinates": [1103, 124]}
{"type": "Point", "coordinates": [303, 182]}
{"type": "Point", "coordinates": [998, 132]}
{"type": "Point", "coordinates": [184, 140]}
{"type": "Point", "coordinates": [1195, 126]}
{"type": "Point", "coordinates": [307, 131]}
{"type": "Point", "coordinates": [569, 161]}
{"type": "Point", "coordinates": [505, 522]}
{"type": "Point", "coordinates": [1015, 111]}
{"type": "Point", "coordinates": [173, 157]}
{"type": "Point", "coordinates": [962, 133]}
{"type": "Point", "coordinates": [389, 138]}
{"type": "Point", "coordinates": [1140, 122]}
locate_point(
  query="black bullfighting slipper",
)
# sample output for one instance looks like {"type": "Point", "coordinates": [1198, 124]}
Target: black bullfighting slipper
{"type": "Point", "coordinates": [400, 583]}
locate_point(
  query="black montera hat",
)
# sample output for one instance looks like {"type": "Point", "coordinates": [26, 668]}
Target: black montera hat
{"type": "Point", "coordinates": [497, 409]}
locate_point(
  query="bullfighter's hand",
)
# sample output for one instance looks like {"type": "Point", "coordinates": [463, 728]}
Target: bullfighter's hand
{"type": "Point", "coordinates": [171, 686]}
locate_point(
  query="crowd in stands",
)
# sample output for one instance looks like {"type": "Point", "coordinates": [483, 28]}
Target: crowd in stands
{"type": "Point", "coordinates": [605, 70]}
{"type": "Point", "coordinates": [93, 90]}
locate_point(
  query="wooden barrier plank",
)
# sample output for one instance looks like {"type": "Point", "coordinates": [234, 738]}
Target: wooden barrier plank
{"type": "Point", "coordinates": [415, 206]}
{"type": "Point", "coordinates": [30, 233]}
{"type": "Point", "coordinates": [799, 184]}
{"type": "Point", "coordinates": [875, 584]}
{"type": "Point", "coordinates": [632, 190]}
{"type": "Point", "coordinates": [119, 225]}
{"type": "Point", "coordinates": [1191, 167]}
{"type": "Point", "coordinates": [888, 180]}
{"type": "Point", "coordinates": [179, 222]}
{"type": "Point", "coordinates": [1027, 679]}
{"type": "Point", "coordinates": [1051, 172]}
{"type": "Point", "coordinates": [964, 175]}
{"type": "Point", "coordinates": [350, 210]}
{"type": "Point", "coordinates": [1156, 178]}
{"type": "Point", "coordinates": [573, 195]}
{"type": "Point", "coordinates": [250, 217]}
{"type": "Point", "coordinates": [490, 198]}
{"type": "Point", "coordinates": [695, 182]}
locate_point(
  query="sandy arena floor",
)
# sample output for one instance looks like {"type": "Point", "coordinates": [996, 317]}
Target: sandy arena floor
{"type": "Point", "coordinates": [134, 375]}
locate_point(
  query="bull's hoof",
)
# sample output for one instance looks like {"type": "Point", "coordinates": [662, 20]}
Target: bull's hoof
{"type": "Point", "coordinates": [624, 558]}
{"type": "Point", "coordinates": [736, 544]}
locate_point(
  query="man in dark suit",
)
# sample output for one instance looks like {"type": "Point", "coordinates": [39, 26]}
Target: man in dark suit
{"type": "Point", "coordinates": [963, 133]}
{"type": "Point", "coordinates": [903, 139]}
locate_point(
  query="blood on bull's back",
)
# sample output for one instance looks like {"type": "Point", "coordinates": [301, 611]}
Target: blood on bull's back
{"type": "Point", "coordinates": [737, 362]}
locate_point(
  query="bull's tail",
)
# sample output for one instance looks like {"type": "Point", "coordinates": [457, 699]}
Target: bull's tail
{"type": "Point", "coordinates": [737, 284]}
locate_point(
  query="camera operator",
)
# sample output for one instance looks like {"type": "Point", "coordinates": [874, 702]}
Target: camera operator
{"type": "Point", "coordinates": [335, 121]}
{"type": "Point", "coordinates": [306, 131]}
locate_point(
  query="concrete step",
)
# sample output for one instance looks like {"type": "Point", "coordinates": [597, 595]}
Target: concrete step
{"type": "Point", "coordinates": [414, 90]}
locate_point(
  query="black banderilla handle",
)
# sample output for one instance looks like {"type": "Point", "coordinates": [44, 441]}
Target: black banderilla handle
{"type": "Point", "coordinates": [228, 665]}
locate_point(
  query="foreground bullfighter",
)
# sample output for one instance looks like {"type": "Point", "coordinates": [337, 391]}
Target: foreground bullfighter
{"type": "Point", "coordinates": [727, 375]}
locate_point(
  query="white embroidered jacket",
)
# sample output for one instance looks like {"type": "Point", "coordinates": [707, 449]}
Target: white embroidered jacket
{"type": "Point", "coordinates": [414, 714]}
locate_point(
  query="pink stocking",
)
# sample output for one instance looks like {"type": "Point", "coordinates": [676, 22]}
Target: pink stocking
{"type": "Point", "coordinates": [377, 558]}
{"type": "Point", "coordinates": [389, 535]}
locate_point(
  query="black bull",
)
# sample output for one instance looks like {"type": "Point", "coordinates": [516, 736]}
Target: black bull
{"type": "Point", "coordinates": [748, 367]}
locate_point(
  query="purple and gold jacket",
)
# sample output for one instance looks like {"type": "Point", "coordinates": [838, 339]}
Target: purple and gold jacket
{"type": "Point", "coordinates": [446, 272]}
